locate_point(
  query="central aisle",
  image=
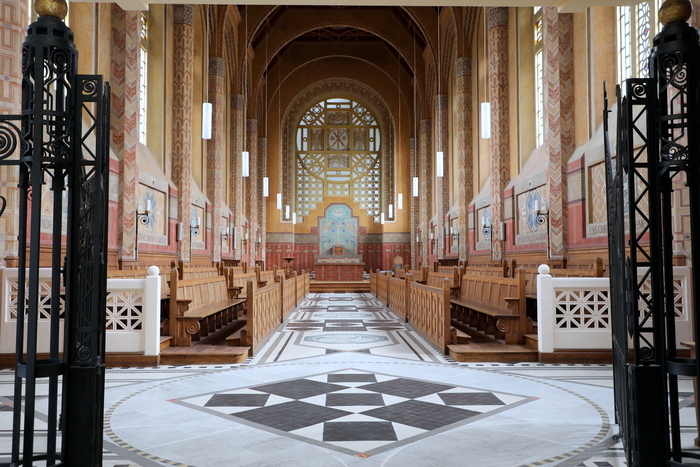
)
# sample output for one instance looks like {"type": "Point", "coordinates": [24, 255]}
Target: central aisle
{"type": "Point", "coordinates": [344, 382]}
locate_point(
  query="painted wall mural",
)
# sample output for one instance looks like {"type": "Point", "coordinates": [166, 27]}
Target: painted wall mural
{"type": "Point", "coordinates": [338, 228]}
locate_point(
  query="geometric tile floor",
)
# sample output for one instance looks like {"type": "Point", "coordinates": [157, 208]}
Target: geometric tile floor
{"type": "Point", "coordinates": [353, 411]}
{"type": "Point", "coordinates": [344, 382]}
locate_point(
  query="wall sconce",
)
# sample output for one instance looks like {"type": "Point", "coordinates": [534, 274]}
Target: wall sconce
{"type": "Point", "coordinates": [439, 164]}
{"type": "Point", "coordinates": [542, 217]}
{"type": "Point", "coordinates": [286, 212]}
{"type": "Point", "coordinates": [486, 227]}
{"type": "Point", "coordinates": [266, 187]}
{"type": "Point", "coordinates": [279, 201]}
{"type": "Point", "coordinates": [194, 231]}
{"type": "Point", "coordinates": [206, 120]}
{"type": "Point", "coordinates": [179, 231]}
{"type": "Point", "coordinates": [399, 201]}
{"type": "Point", "coordinates": [245, 239]}
{"type": "Point", "coordinates": [294, 218]}
{"type": "Point", "coordinates": [141, 218]}
{"type": "Point", "coordinates": [224, 236]}
{"type": "Point", "coordinates": [502, 232]}
{"type": "Point", "coordinates": [414, 187]}
{"type": "Point", "coordinates": [381, 218]}
{"type": "Point", "coordinates": [245, 164]}
{"type": "Point", "coordinates": [391, 211]}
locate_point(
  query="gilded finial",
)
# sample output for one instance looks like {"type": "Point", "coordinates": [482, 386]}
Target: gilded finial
{"type": "Point", "coordinates": [675, 10]}
{"type": "Point", "coordinates": [56, 8]}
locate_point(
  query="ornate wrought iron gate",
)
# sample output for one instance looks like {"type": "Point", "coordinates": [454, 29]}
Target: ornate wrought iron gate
{"type": "Point", "coordinates": [658, 138]}
{"type": "Point", "coordinates": [62, 169]}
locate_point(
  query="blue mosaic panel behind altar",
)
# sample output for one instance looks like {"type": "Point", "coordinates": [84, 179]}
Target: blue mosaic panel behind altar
{"type": "Point", "coordinates": [338, 228]}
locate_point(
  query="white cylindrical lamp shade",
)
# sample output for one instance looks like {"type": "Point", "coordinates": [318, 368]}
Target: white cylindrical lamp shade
{"type": "Point", "coordinates": [286, 212]}
{"type": "Point", "coordinates": [294, 218]}
{"type": "Point", "coordinates": [485, 120]}
{"type": "Point", "coordinates": [245, 164]}
{"type": "Point", "coordinates": [279, 201]}
{"type": "Point", "coordinates": [381, 218]}
{"type": "Point", "coordinates": [206, 120]}
{"type": "Point", "coordinates": [439, 164]}
{"type": "Point", "coordinates": [266, 187]}
{"type": "Point", "coordinates": [399, 201]}
{"type": "Point", "coordinates": [391, 211]}
{"type": "Point", "coordinates": [414, 187]}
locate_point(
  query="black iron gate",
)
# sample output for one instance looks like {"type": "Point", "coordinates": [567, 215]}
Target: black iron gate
{"type": "Point", "coordinates": [63, 141]}
{"type": "Point", "coordinates": [657, 140]}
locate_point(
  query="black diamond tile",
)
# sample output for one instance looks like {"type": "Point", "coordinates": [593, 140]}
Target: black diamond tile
{"type": "Point", "coordinates": [470, 398]}
{"type": "Point", "coordinates": [408, 388]}
{"type": "Point", "coordinates": [350, 399]}
{"type": "Point", "coordinates": [421, 414]}
{"type": "Point", "coordinates": [299, 388]}
{"type": "Point", "coordinates": [5, 408]}
{"type": "Point", "coordinates": [358, 431]}
{"type": "Point", "coordinates": [237, 400]}
{"type": "Point", "coordinates": [291, 416]}
{"type": "Point", "coordinates": [352, 378]}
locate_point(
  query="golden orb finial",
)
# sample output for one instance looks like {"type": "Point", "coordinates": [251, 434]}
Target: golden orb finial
{"type": "Point", "coordinates": [56, 8]}
{"type": "Point", "coordinates": [675, 10]}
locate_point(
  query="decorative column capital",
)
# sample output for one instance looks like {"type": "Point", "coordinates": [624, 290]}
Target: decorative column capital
{"type": "Point", "coordinates": [498, 16]}
{"type": "Point", "coordinates": [183, 14]}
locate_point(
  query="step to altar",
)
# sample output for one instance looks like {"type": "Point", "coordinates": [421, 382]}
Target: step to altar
{"type": "Point", "coordinates": [204, 355]}
{"type": "Point", "coordinates": [500, 353]}
{"type": "Point", "coordinates": [339, 286]}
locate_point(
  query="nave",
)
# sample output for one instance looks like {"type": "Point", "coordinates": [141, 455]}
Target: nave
{"type": "Point", "coordinates": [343, 382]}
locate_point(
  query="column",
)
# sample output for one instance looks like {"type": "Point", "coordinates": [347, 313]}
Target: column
{"type": "Point", "coordinates": [559, 121]}
{"type": "Point", "coordinates": [251, 190]}
{"type": "Point", "coordinates": [442, 184]}
{"type": "Point", "coordinates": [183, 72]}
{"type": "Point", "coordinates": [426, 185]}
{"type": "Point", "coordinates": [463, 149]}
{"type": "Point", "coordinates": [236, 183]}
{"type": "Point", "coordinates": [415, 204]}
{"type": "Point", "coordinates": [215, 153]}
{"type": "Point", "coordinates": [126, 44]}
{"type": "Point", "coordinates": [262, 203]}
{"type": "Point", "coordinates": [498, 94]}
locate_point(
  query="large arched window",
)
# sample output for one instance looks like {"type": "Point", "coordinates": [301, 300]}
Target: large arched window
{"type": "Point", "coordinates": [338, 146]}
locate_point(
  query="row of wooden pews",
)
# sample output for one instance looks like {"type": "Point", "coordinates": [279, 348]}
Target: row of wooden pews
{"type": "Point", "coordinates": [210, 306]}
{"type": "Point", "coordinates": [467, 309]}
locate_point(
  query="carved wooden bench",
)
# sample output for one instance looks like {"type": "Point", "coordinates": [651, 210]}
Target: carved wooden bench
{"type": "Point", "coordinates": [492, 306]}
{"type": "Point", "coordinates": [199, 307]}
{"type": "Point", "coordinates": [436, 279]}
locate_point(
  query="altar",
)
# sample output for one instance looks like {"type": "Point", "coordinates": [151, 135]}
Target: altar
{"type": "Point", "coordinates": [338, 236]}
{"type": "Point", "coordinates": [339, 267]}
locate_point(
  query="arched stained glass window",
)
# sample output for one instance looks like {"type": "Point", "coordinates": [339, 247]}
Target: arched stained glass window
{"type": "Point", "coordinates": [338, 145]}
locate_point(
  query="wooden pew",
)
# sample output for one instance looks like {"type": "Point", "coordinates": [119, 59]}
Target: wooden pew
{"type": "Point", "coordinates": [238, 280]}
{"type": "Point", "coordinates": [502, 270]}
{"type": "Point", "coordinates": [493, 306]}
{"type": "Point", "coordinates": [396, 295]}
{"type": "Point", "coordinates": [420, 275]}
{"type": "Point", "coordinates": [436, 279]}
{"type": "Point", "coordinates": [200, 307]}
{"type": "Point", "coordinates": [289, 293]}
{"type": "Point", "coordinates": [429, 312]}
{"type": "Point", "coordinates": [264, 277]}
{"type": "Point", "coordinates": [263, 313]}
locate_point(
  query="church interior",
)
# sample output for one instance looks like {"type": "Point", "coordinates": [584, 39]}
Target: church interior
{"type": "Point", "coordinates": [343, 152]}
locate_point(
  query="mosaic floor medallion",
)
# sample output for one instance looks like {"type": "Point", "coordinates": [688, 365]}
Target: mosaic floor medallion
{"type": "Point", "coordinates": [353, 411]}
